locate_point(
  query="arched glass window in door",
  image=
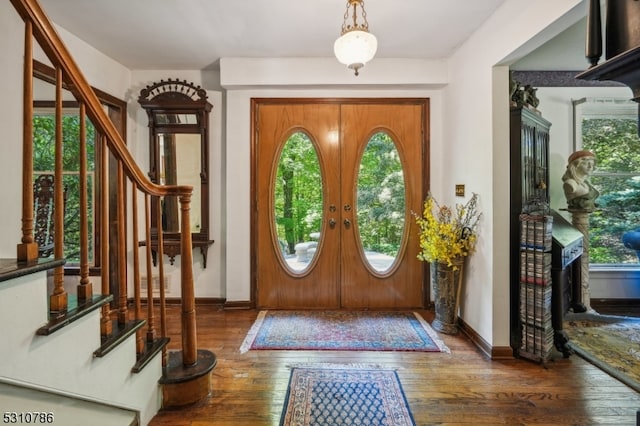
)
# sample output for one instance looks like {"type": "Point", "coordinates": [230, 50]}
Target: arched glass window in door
{"type": "Point", "coordinates": [298, 202]}
{"type": "Point", "coordinates": [381, 202]}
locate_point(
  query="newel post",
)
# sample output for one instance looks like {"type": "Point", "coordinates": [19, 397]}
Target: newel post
{"type": "Point", "coordinates": [187, 377]}
{"type": "Point", "coordinates": [189, 337]}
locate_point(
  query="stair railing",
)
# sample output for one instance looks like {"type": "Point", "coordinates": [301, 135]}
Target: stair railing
{"type": "Point", "coordinates": [39, 27]}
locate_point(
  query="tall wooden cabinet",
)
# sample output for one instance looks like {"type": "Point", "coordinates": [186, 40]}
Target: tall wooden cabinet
{"type": "Point", "coordinates": [529, 163]}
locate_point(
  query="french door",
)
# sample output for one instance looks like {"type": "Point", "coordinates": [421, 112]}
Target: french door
{"type": "Point", "coordinates": [335, 183]}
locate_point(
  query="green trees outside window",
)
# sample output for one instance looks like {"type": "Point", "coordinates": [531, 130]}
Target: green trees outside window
{"type": "Point", "coordinates": [381, 198]}
{"type": "Point", "coordinates": [44, 163]}
{"type": "Point", "coordinates": [609, 128]}
{"type": "Point", "coordinates": [298, 193]}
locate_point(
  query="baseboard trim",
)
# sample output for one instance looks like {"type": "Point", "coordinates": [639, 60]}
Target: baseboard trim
{"type": "Point", "coordinates": [492, 352]}
{"type": "Point", "coordinates": [614, 303]}
{"type": "Point", "coordinates": [215, 301]}
{"type": "Point", "coordinates": [501, 352]}
{"type": "Point", "coordinates": [238, 304]}
{"type": "Point", "coordinates": [209, 301]}
{"type": "Point", "coordinates": [172, 301]}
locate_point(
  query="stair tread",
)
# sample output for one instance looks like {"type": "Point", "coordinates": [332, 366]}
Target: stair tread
{"type": "Point", "coordinates": [120, 333]}
{"type": "Point", "coordinates": [74, 313]}
{"type": "Point", "coordinates": [11, 268]}
{"type": "Point", "coordinates": [150, 351]}
{"type": "Point", "coordinates": [64, 409]}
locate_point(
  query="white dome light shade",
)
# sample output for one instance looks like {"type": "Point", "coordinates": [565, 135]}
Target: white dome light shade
{"type": "Point", "coordinates": [355, 48]}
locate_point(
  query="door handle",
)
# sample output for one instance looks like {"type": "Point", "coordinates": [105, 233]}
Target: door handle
{"type": "Point", "coordinates": [332, 223]}
{"type": "Point", "coordinates": [347, 223]}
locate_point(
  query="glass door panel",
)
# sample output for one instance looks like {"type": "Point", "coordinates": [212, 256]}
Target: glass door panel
{"type": "Point", "coordinates": [380, 202]}
{"type": "Point", "coordinates": [298, 202]}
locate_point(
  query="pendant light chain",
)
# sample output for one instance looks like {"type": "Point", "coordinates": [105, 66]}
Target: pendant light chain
{"type": "Point", "coordinates": [362, 27]}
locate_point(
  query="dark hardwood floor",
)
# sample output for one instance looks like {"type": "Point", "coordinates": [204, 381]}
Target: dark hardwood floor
{"type": "Point", "coordinates": [463, 388]}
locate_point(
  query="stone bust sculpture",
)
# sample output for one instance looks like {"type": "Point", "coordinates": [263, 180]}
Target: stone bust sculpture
{"type": "Point", "coordinates": [580, 194]}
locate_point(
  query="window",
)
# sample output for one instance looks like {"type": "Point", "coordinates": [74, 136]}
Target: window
{"type": "Point", "coordinates": [609, 128]}
{"type": "Point", "coordinates": [116, 109]}
{"type": "Point", "coordinates": [44, 163]}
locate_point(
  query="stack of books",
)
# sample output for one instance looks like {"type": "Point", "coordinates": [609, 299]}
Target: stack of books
{"type": "Point", "coordinates": [537, 342]}
{"type": "Point", "coordinates": [536, 232]}
{"type": "Point", "coordinates": [534, 303]}
{"type": "Point", "coordinates": [535, 267]}
{"type": "Point", "coordinates": [535, 286]}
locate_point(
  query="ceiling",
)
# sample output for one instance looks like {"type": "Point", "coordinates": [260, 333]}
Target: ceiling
{"type": "Point", "coordinates": [195, 34]}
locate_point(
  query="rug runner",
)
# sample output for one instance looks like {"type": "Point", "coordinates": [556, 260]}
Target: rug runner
{"type": "Point", "coordinates": [342, 331]}
{"type": "Point", "coordinates": [345, 396]}
{"type": "Point", "coordinates": [612, 343]}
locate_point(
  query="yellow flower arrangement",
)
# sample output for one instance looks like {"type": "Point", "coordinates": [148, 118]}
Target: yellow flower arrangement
{"type": "Point", "coordinates": [447, 234]}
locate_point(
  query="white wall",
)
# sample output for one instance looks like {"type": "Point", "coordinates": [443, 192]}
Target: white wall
{"type": "Point", "coordinates": [101, 71]}
{"type": "Point", "coordinates": [11, 34]}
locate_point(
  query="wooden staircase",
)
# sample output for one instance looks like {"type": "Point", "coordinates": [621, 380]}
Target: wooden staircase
{"type": "Point", "coordinates": [84, 343]}
{"type": "Point", "coordinates": [63, 367]}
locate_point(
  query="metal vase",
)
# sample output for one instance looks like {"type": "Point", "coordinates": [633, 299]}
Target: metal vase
{"type": "Point", "coordinates": [446, 282]}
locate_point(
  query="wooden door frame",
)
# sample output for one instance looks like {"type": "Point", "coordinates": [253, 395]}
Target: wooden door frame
{"type": "Point", "coordinates": [256, 102]}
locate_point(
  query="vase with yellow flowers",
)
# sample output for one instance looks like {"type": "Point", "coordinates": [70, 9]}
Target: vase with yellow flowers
{"type": "Point", "coordinates": [447, 236]}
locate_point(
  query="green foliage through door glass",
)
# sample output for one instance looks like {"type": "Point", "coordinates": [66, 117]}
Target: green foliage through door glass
{"type": "Point", "coordinates": [298, 200]}
{"type": "Point", "coordinates": [381, 201]}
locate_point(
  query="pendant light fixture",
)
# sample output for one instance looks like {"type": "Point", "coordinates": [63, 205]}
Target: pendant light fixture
{"type": "Point", "coordinates": [356, 45]}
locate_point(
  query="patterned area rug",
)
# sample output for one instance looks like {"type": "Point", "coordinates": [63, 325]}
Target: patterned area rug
{"type": "Point", "coordinates": [342, 331]}
{"type": "Point", "coordinates": [610, 342]}
{"type": "Point", "coordinates": [336, 396]}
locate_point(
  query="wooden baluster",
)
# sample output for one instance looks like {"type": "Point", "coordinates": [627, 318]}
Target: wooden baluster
{"type": "Point", "coordinates": [28, 248]}
{"type": "Point", "coordinates": [58, 300]}
{"type": "Point", "coordinates": [136, 265]}
{"type": "Point", "coordinates": [85, 288]}
{"type": "Point", "coordinates": [106, 326]}
{"type": "Point", "coordinates": [189, 338]}
{"type": "Point", "coordinates": [122, 249]}
{"type": "Point", "coordinates": [147, 229]}
{"type": "Point", "coordinates": [163, 318]}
